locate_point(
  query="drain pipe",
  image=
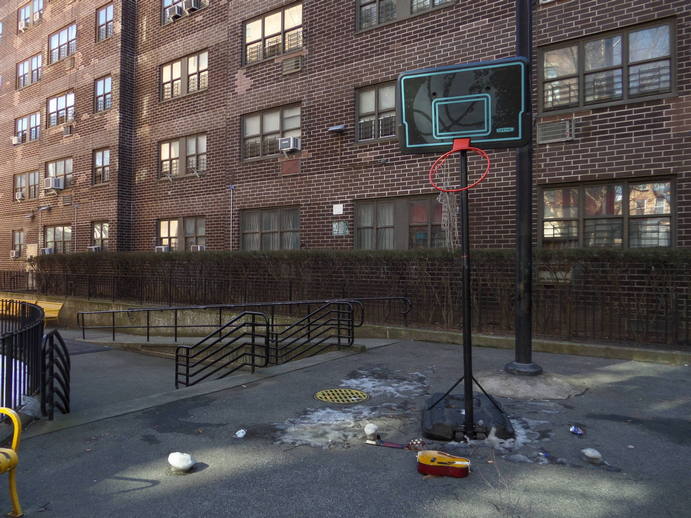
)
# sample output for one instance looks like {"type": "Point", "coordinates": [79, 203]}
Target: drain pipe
{"type": "Point", "coordinates": [231, 188]}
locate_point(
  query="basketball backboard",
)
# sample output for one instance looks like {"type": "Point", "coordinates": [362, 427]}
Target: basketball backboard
{"type": "Point", "coordinates": [484, 101]}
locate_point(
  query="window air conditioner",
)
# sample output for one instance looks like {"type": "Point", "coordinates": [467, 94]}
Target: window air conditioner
{"type": "Point", "coordinates": [94, 248]}
{"type": "Point", "coordinates": [16, 140]}
{"type": "Point", "coordinates": [37, 16]}
{"type": "Point", "coordinates": [53, 183]}
{"type": "Point", "coordinates": [45, 251]}
{"type": "Point", "coordinates": [175, 12]}
{"type": "Point", "coordinates": [289, 144]}
{"type": "Point", "coordinates": [197, 248]}
{"type": "Point", "coordinates": [162, 248]}
{"type": "Point", "coordinates": [23, 26]}
{"type": "Point", "coordinates": [68, 130]}
{"type": "Point", "coordinates": [14, 254]}
{"type": "Point", "coordinates": [192, 5]}
{"type": "Point", "coordinates": [19, 196]}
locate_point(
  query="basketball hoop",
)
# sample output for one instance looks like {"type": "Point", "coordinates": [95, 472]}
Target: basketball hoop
{"type": "Point", "coordinates": [459, 145]}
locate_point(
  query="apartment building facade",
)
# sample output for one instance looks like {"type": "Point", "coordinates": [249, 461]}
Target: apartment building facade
{"type": "Point", "coordinates": [135, 125]}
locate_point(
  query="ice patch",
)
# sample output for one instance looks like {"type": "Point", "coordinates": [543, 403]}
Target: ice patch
{"type": "Point", "coordinates": [380, 382]}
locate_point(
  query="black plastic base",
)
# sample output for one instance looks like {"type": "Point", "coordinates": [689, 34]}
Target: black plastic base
{"type": "Point", "coordinates": [523, 369]}
{"type": "Point", "coordinates": [446, 421]}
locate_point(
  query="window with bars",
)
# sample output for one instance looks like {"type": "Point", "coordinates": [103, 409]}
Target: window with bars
{"type": "Point", "coordinates": [29, 71]}
{"type": "Point", "coordinates": [372, 13]}
{"type": "Point", "coordinates": [61, 109]}
{"type": "Point", "coordinates": [273, 34]}
{"type": "Point", "coordinates": [26, 185]}
{"type": "Point", "coordinates": [63, 43]}
{"type": "Point", "coordinates": [623, 214]}
{"type": "Point", "coordinates": [192, 148]}
{"type": "Point", "coordinates": [18, 241]}
{"type": "Point", "coordinates": [262, 130]}
{"type": "Point", "coordinates": [59, 238]}
{"type": "Point", "coordinates": [376, 106]}
{"type": "Point", "coordinates": [195, 70]}
{"type": "Point", "coordinates": [622, 66]}
{"type": "Point", "coordinates": [29, 13]}
{"type": "Point", "coordinates": [270, 229]}
{"type": "Point", "coordinates": [103, 94]}
{"type": "Point", "coordinates": [100, 234]}
{"type": "Point", "coordinates": [399, 223]}
{"type": "Point", "coordinates": [60, 169]}
{"type": "Point", "coordinates": [104, 22]}
{"type": "Point", "coordinates": [28, 128]}
{"type": "Point", "coordinates": [101, 163]}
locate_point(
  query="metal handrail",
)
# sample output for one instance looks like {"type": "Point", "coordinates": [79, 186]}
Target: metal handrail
{"type": "Point", "coordinates": [55, 375]}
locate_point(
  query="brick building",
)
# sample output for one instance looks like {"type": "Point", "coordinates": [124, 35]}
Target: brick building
{"type": "Point", "coordinates": [130, 125]}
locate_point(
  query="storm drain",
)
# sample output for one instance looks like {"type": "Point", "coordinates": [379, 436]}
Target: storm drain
{"type": "Point", "coordinates": [341, 396]}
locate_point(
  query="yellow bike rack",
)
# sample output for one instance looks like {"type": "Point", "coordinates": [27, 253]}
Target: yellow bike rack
{"type": "Point", "coordinates": [9, 460]}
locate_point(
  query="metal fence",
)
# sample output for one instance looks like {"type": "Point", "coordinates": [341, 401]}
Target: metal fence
{"type": "Point", "coordinates": [21, 332]}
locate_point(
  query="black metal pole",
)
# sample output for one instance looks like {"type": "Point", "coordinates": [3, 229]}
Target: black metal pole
{"type": "Point", "coordinates": [469, 426]}
{"type": "Point", "coordinates": [523, 364]}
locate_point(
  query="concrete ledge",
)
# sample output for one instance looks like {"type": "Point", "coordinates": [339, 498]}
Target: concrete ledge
{"type": "Point", "coordinates": [616, 352]}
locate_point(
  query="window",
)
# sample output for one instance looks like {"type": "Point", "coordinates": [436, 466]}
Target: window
{"type": "Point", "coordinates": [59, 238]}
{"type": "Point", "coordinates": [103, 94]}
{"type": "Point", "coordinates": [376, 12]}
{"type": "Point", "coordinates": [63, 43]}
{"type": "Point", "coordinates": [399, 223]}
{"type": "Point", "coordinates": [615, 68]}
{"type": "Point", "coordinates": [28, 128]}
{"type": "Point", "coordinates": [631, 214]}
{"type": "Point", "coordinates": [193, 148]}
{"type": "Point", "coordinates": [18, 242]}
{"type": "Point", "coordinates": [101, 166]}
{"type": "Point", "coordinates": [376, 107]}
{"type": "Point", "coordinates": [168, 4]}
{"type": "Point", "coordinates": [29, 13]}
{"type": "Point", "coordinates": [26, 185]}
{"type": "Point", "coordinates": [100, 231]}
{"type": "Point", "coordinates": [194, 68]}
{"type": "Point", "coordinates": [270, 229]}
{"type": "Point", "coordinates": [61, 109]}
{"type": "Point", "coordinates": [195, 232]}
{"type": "Point", "coordinates": [60, 169]}
{"type": "Point", "coordinates": [29, 71]}
{"type": "Point", "coordinates": [168, 233]}
{"type": "Point", "coordinates": [261, 131]}
{"type": "Point", "coordinates": [104, 22]}
{"type": "Point", "coordinates": [273, 34]}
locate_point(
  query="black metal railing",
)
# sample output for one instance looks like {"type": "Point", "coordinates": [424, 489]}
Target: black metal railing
{"type": "Point", "coordinates": [21, 330]}
{"type": "Point", "coordinates": [242, 342]}
{"type": "Point", "coordinates": [55, 375]}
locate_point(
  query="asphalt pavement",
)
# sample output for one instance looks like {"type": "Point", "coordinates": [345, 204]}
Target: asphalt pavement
{"type": "Point", "coordinates": [305, 458]}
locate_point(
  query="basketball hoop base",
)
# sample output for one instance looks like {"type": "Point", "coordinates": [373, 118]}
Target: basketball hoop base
{"type": "Point", "coordinates": [523, 369]}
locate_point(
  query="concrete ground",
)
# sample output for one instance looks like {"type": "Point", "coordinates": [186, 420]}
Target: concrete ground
{"type": "Point", "coordinates": [305, 458]}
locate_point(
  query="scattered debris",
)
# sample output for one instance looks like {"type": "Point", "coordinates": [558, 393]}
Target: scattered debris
{"type": "Point", "coordinates": [630, 446]}
{"type": "Point", "coordinates": [576, 430]}
{"type": "Point", "coordinates": [592, 455]}
{"type": "Point", "coordinates": [371, 431]}
{"type": "Point", "coordinates": [518, 458]}
{"type": "Point", "coordinates": [240, 433]}
{"type": "Point", "coordinates": [181, 462]}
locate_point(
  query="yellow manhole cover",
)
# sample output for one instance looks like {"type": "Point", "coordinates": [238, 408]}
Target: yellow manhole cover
{"type": "Point", "coordinates": [342, 396]}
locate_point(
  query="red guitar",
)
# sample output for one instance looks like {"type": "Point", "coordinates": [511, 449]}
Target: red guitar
{"type": "Point", "coordinates": [432, 462]}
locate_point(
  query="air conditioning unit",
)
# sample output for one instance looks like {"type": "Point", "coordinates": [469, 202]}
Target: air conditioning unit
{"type": "Point", "coordinates": [46, 251]}
{"type": "Point", "coordinates": [94, 248]}
{"type": "Point", "coordinates": [23, 26]}
{"type": "Point", "coordinates": [197, 248]}
{"type": "Point", "coordinates": [289, 144]}
{"type": "Point", "coordinates": [19, 196]}
{"type": "Point", "coordinates": [15, 254]}
{"type": "Point", "coordinates": [547, 1]}
{"type": "Point", "coordinates": [192, 5]}
{"type": "Point", "coordinates": [162, 248]}
{"type": "Point", "coordinates": [175, 12]}
{"type": "Point", "coordinates": [16, 140]}
{"type": "Point", "coordinates": [37, 16]}
{"type": "Point", "coordinates": [53, 183]}
{"type": "Point", "coordinates": [68, 130]}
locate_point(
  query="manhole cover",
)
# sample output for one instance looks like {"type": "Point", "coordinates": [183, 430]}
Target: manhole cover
{"type": "Point", "coordinates": [341, 396]}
